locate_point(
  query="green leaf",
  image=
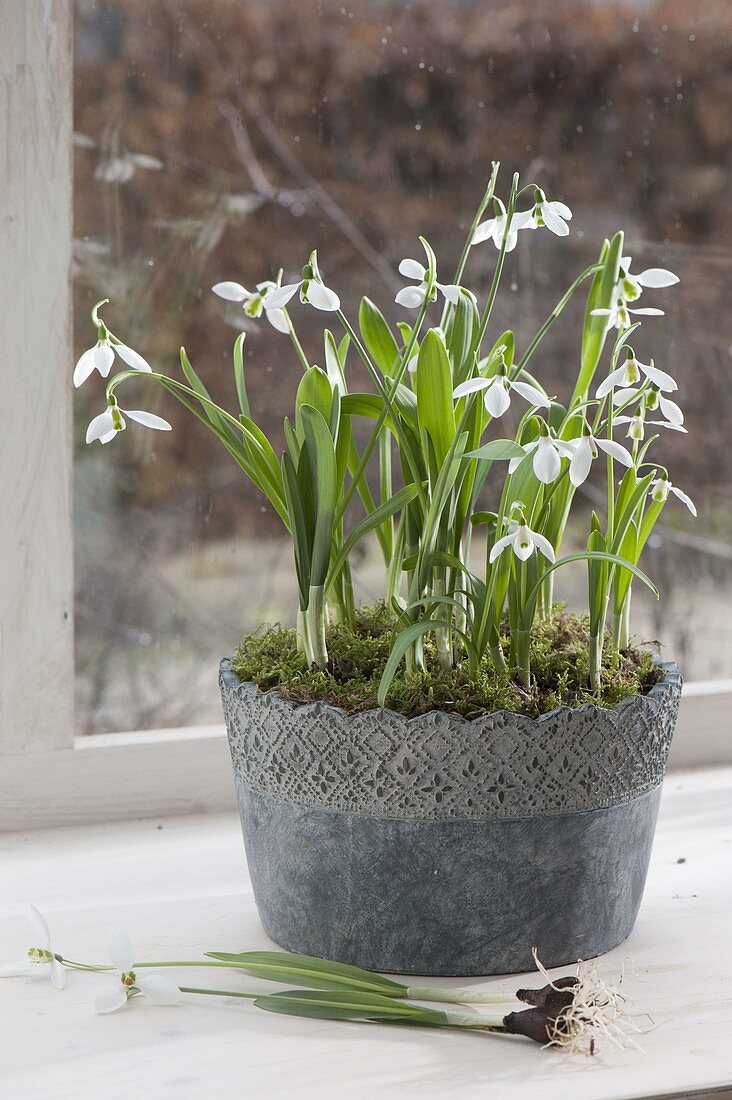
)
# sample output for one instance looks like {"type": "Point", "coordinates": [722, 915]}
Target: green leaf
{"type": "Point", "coordinates": [377, 336]}
{"type": "Point", "coordinates": [298, 527]}
{"type": "Point", "coordinates": [402, 642]}
{"type": "Point", "coordinates": [594, 332]}
{"type": "Point", "coordinates": [241, 389]}
{"type": "Point", "coordinates": [460, 335]}
{"type": "Point", "coordinates": [323, 463]}
{"type": "Point", "coordinates": [433, 386]}
{"type": "Point", "coordinates": [282, 966]}
{"type": "Point", "coordinates": [498, 450]}
{"type": "Point", "coordinates": [340, 1005]}
{"type": "Point", "coordinates": [614, 559]}
{"type": "Point", "coordinates": [196, 384]}
{"type": "Point", "coordinates": [314, 390]}
{"type": "Point", "coordinates": [333, 365]}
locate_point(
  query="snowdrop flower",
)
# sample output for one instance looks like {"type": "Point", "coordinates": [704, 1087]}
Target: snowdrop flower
{"type": "Point", "coordinates": [158, 989]}
{"type": "Point", "coordinates": [497, 392]}
{"type": "Point", "coordinates": [661, 487]}
{"type": "Point", "coordinates": [630, 287]}
{"type": "Point", "coordinates": [654, 399]}
{"type": "Point", "coordinates": [105, 426]}
{"type": "Point", "coordinates": [101, 358]}
{"type": "Point", "coordinates": [494, 228]}
{"type": "Point", "coordinates": [553, 215]}
{"type": "Point", "coordinates": [412, 297]}
{"type": "Point", "coordinates": [548, 453]}
{"type": "Point", "coordinates": [586, 449]}
{"type": "Point", "coordinates": [313, 291]}
{"type": "Point", "coordinates": [631, 373]}
{"type": "Point", "coordinates": [254, 301]}
{"type": "Point", "coordinates": [523, 542]}
{"type": "Point", "coordinates": [42, 954]}
{"type": "Point", "coordinates": [619, 316]}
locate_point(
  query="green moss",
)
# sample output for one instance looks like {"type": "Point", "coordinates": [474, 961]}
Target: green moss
{"type": "Point", "coordinates": [559, 663]}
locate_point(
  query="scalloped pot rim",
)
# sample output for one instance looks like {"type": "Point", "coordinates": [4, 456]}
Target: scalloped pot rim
{"type": "Point", "coordinates": [320, 707]}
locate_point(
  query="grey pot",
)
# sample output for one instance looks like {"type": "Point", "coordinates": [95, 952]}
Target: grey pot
{"type": "Point", "coordinates": [436, 845]}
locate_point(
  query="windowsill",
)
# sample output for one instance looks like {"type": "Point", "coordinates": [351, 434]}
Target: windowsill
{"type": "Point", "coordinates": [179, 887]}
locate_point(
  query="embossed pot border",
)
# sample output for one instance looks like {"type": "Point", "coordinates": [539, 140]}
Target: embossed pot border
{"type": "Point", "coordinates": [644, 721]}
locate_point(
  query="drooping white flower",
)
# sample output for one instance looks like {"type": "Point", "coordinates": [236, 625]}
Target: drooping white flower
{"type": "Point", "coordinates": [101, 358]}
{"type": "Point", "coordinates": [105, 426]}
{"type": "Point", "coordinates": [41, 953]}
{"type": "Point", "coordinates": [636, 425]}
{"type": "Point", "coordinates": [494, 228]}
{"type": "Point", "coordinates": [653, 399]}
{"type": "Point", "coordinates": [412, 297]}
{"type": "Point", "coordinates": [586, 449]}
{"type": "Point", "coordinates": [548, 453]}
{"type": "Point", "coordinates": [313, 291]}
{"type": "Point", "coordinates": [524, 542]}
{"type": "Point", "coordinates": [497, 395]}
{"type": "Point", "coordinates": [630, 287]}
{"type": "Point", "coordinates": [254, 302]}
{"type": "Point", "coordinates": [630, 374]}
{"type": "Point", "coordinates": [553, 215]}
{"type": "Point", "coordinates": [157, 988]}
{"type": "Point", "coordinates": [661, 487]}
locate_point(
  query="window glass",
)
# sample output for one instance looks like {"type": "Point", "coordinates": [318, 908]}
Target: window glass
{"type": "Point", "coordinates": [222, 141]}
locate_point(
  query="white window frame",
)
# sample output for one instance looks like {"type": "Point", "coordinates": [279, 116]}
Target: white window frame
{"type": "Point", "coordinates": [47, 776]}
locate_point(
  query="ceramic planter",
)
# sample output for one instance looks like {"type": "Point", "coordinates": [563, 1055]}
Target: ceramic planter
{"type": "Point", "coordinates": [436, 845]}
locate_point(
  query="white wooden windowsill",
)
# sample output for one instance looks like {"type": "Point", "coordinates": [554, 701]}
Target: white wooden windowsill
{"type": "Point", "coordinates": [179, 887]}
{"type": "Point", "coordinates": [180, 771]}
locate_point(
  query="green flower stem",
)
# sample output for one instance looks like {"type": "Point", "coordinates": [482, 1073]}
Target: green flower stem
{"type": "Point", "coordinates": [487, 197]}
{"type": "Point", "coordinates": [555, 313]}
{"type": "Point", "coordinates": [296, 343]}
{"type": "Point", "coordinates": [499, 265]}
{"type": "Point", "coordinates": [458, 996]}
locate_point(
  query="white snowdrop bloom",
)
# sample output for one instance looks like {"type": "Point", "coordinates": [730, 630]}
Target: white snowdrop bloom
{"type": "Point", "coordinates": [548, 453]}
{"type": "Point", "coordinates": [312, 293]}
{"type": "Point", "coordinates": [105, 426]}
{"type": "Point", "coordinates": [636, 425]}
{"type": "Point", "coordinates": [619, 315]}
{"type": "Point", "coordinates": [157, 988]}
{"type": "Point", "coordinates": [586, 450]}
{"type": "Point", "coordinates": [652, 399]}
{"type": "Point", "coordinates": [101, 358]}
{"type": "Point", "coordinates": [553, 215]}
{"type": "Point", "coordinates": [412, 297]}
{"type": "Point", "coordinates": [497, 393]}
{"type": "Point", "coordinates": [661, 487]}
{"type": "Point", "coordinates": [42, 953]}
{"type": "Point", "coordinates": [254, 302]}
{"type": "Point", "coordinates": [631, 373]}
{"type": "Point", "coordinates": [523, 542]}
{"type": "Point", "coordinates": [630, 287]}
{"type": "Point", "coordinates": [494, 228]}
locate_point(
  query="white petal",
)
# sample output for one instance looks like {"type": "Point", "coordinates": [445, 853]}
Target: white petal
{"type": "Point", "coordinates": [514, 465]}
{"type": "Point", "coordinates": [615, 450]}
{"type": "Point", "coordinates": [667, 424]}
{"type": "Point", "coordinates": [581, 461]}
{"type": "Point", "coordinates": [120, 950]}
{"type": "Point", "coordinates": [277, 319]}
{"type": "Point", "coordinates": [499, 547]}
{"type": "Point", "coordinates": [686, 500]}
{"type": "Point", "coordinates": [132, 358]}
{"type": "Point", "coordinates": [565, 447]}
{"type": "Point", "coordinates": [621, 396]}
{"type": "Point", "coordinates": [150, 420]}
{"type": "Point", "coordinates": [601, 312]}
{"type": "Point", "coordinates": [656, 277]}
{"type": "Point", "coordinates": [523, 543]}
{"type": "Point", "coordinates": [497, 399]}
{"type": "Point", "coordinates": [108, 437]}
{"type": "Point", "coordinates": [158, 989]}
{"type": "Point", "coordinates": [20, 969]}
{"type": "Point", "coordinates": [103, 359]}
{"type": "Point", "coordinates": [547, 464]}
{"type": "Point", "coordinates": [511, 240]}
{"type": "Point", "coordinates": [648, 312]}
{"type": "Point", "coordinates": [524, 219]}
{"type": "Point", "coordinates": [544, 545]}
{"type": "Point", "coordinates": [530, 394]}
{"type": "Point", "coordinates": [411, 297]}
{"type": "Point", "coordinates": [483, 232]}
{"type": "Point", "coordinates": [231, 292]}
{"type": "Point", "coordinates": [322, 297]}
{"type": "Point", "coordinates": [451, 292]}
{"type": "Point", "coordinates": [670, 410]}
{"type": "Point", "coordinates": [111, 1000]}
{"type": "Point", "coordinates": [276, 299]}
{"type": "Point", "coordinates": [39, 927]}
{"type": "Point", "coordinates": [613, 379]}
{"type": "Point", "coordinates": [58, 975]}
{"type": "Point", "coordinates": [101, 425]}
{"type": "Point", "coordinates": [561, 209]}
{"type": "Point", "coordinates": [660, 378]}
{"type": "Point", "coordinates": [412, 269]}
{"type": "Point", "coordinates": [471, 385]}
{"type": "Point", "coordinates": [84, 367]}
{"type": "Point", "coordinates": [553, 222]}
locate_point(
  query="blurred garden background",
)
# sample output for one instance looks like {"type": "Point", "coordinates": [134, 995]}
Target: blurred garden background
{"type": "Point", "coordinates": [225, 140]}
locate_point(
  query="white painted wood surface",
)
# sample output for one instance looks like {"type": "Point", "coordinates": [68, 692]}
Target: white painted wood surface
{"type": "Point", "coordinates": [36, 593]}
{"type": "Point", "coordinates": [119, 776]}
{"type": "Point", "coordinates": [182, 888]}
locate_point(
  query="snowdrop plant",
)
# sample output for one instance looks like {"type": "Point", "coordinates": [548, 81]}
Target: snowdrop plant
{"type": "Point", "coordinates": [442, 392]}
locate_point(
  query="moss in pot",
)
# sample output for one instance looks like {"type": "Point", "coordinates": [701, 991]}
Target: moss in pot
{"type": "Point", "coordinates": [464, 772]}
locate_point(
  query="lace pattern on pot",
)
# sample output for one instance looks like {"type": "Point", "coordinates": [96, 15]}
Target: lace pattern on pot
{"type": "Point", "coordinates": [441, 766]}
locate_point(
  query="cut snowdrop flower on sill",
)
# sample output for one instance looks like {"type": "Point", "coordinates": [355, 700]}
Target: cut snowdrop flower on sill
{"type": "Point", "coordinates": [105, 426]}
{"type": "Point", "coordinates": [101, 358]}
{"type": "Point", "coordinates": [157, 988]}
{"type": "Point", "coordinates": [553, 215]}
{"type": "Point", "coordinates": [254, 302]}
{"type": "Point", "coordinates": [497, 393]}
{"type": "Point", "coordinates": [494, 228]}
{"type": "Point", "coordinates": [630, 287]}
{"type": "Point", "coordinates": [632, 372]}
{"type": "Point", "coordinates": [523, 541]}
{"type": "Point", "coordinates": [586, 449]}
{"type": "Point", "coordinates": [412, 297]}
{"type": "Point", "coordinates": [41, 954]}
{"type": "Point", "coordinates": [661, 487]}
{"type": "Point", "coordinates": [548, 453]}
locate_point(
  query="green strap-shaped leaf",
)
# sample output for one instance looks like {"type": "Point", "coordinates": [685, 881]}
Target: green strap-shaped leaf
{"type": "Point", "coordinates": [377, 336]}
{"type": "Point", "coordinates": [338, 1005]}
{"type": "Point", "coordinates": [498, 450]}
{"type": "Point", "coordinates": [595, 328]}
{"type": "Point", "coordinates": [298, 528]}
{"type": "Point", "coordinates": [241, 389]}
{"type": "Point", "coordinates": [323, 464]}
{"type": "Point", "coordinates": [314, 390]}
{"type": "Point", "coordinates": [306, 970]}
{"type": "Point", "coordinates": [433, 385]}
